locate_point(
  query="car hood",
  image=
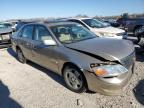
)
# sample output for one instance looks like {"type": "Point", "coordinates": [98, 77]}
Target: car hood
{"type": "Point", "coordinates": [5, 30]}
{"type": "Point", "coordinates": [109, 29]}
{"type": "Point", "coordinates": [104, 49]}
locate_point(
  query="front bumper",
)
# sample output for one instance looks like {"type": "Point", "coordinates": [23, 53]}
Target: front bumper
{"type": "Point", "coordinates": [124, 36]}
{"type": "Point", "coordinates": [5, 44]}
{"type": "Point", "coordinates": [5, 40]}
{"type": "Point", "coordinates": [108, 86]}
{"type": "Point", "coordinates": [114, 37]}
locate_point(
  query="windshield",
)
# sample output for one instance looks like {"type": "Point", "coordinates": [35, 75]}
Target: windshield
{"type": "Point", "coordinates": [5, 25]}
{"type": "Point", "coordinates": [94, 23]}
{"type": "Point", "coordinates": [71, 33]}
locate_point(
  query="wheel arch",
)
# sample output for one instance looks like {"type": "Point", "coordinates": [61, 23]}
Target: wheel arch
{"type": "Point", "coordinates": [18, 48]}
{"type": "Point", "coordinates": [73, 64]}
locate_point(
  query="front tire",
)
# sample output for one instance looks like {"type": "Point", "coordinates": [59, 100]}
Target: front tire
{"type": "Point", "coordinates": [20, 56]}
{"type": "Point", "coordinates": [74, 79]}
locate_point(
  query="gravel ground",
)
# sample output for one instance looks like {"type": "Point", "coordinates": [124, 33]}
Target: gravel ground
{"type": "Point", "coordinates": [31, 86]}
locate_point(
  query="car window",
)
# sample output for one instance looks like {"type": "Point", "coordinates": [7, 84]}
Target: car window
{"type": "Point", "coordinates": [77, 21]}
{"type": "Point", "coordinates": [42, 33]}
{"type": "Point", "coordinates": [71, 33]}
{"type": "Point", "coordinates": [5, 25]}
{"type": "Point", "coordinates": [27, 32]}
{"type": "Point", "coordinates": [94, 23]}
{"type": "Point", "coordinates": [19, 25]}
{"type": "Point", "coordinates": [2, 26]}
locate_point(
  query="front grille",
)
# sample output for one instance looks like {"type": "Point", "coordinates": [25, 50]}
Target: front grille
{"type": "Point", "coordinates": [128, 61]}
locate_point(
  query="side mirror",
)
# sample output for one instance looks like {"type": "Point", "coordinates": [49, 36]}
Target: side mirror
{"type": "Point", "coordinates": [49, 42]}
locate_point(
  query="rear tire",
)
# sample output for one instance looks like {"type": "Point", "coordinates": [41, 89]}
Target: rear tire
{"type": "Point", "coordinates": [20, 56]}
{"type": "Point", "coordinates": [74, 79]}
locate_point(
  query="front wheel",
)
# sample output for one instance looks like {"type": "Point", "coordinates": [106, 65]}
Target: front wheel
{"type": "Point", "coordinates": [74, 79]}
{"type": "Point", "coordinates": [20, 56]}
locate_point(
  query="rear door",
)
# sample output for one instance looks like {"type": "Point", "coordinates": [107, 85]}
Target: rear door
{"type": "Point", "coordinates": [25, 40]}
{"type": "Point", "coordinates": [44, 55]}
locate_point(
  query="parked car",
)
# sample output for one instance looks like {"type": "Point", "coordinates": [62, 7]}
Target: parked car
{"type": "Point", "coordinates": [141, 37]}
{"type": "Point", "coordinates": [113, 23]}
{"type": "Point", "coordinates": [5, 33]}
{"type": "Point", "coordinates": [83, 59]}
{"type": "Point", "coordinates": [132, 25]}
{"type": "Point", "coordinates": [104, 22]}
{"type": "Point", "coordinates": [99, 28]}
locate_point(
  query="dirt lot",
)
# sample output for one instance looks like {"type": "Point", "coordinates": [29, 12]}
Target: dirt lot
{"type": "Point", "coordinates": [31, 86]}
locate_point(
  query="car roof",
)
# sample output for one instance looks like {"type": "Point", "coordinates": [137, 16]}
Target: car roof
{"type": "Point", "coordinates": [59, 23]}
{"type": "Point", "coordinates": [53, 23]}
{"type": "Point", "coordinates": [27, 22]}
{"type": "Point", "coordinates": [74, 18]}
{"type": "Point", "coordinates": [79, 18]}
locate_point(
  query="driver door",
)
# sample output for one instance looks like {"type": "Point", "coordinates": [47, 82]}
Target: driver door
{"type": "Point", "coordinates": [44, 55]}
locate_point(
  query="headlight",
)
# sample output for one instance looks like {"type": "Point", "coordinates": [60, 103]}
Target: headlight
{"type": "Point", "coordinates": [107, 34]}
{"type": "Point", "coordinates": [109, 70]}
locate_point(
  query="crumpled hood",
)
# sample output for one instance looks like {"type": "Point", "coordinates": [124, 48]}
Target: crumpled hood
{"type": "Point", "coordinates": [110, 29]}
{"type": "Point", "coordinates": [109, 49]}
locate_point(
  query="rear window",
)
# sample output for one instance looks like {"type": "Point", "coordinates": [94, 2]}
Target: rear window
{"type": "Point", "coordinates": [27, 32]}
{"type": "Point", "coordinates": [41, 33]}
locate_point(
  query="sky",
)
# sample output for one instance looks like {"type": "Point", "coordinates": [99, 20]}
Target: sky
{"type": "Point", "coordinates": [15, 9]}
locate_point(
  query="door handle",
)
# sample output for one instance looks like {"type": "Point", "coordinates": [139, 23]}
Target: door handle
{"type": "Point", "coordinates": [28, 44]}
